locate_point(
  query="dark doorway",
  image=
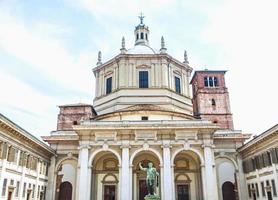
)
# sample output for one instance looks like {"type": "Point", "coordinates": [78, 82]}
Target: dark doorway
{"type": "Point", "coordinates": [254, 196]}
{"type": "Point", "coordinates": [269, 195]}
{"type": "Point", "coordinates": [109, 192]}
{"type": "Point", "coordinates": [10, 194]}
{"type": "Point", "coordinates": [143, 190]}
{"type": "Point", "coordinates": [28, 195]}
{"type": "Point", "coordinates": [183, 191]}
{"type": "Point", "coordinates": [65, 192]}
{"type": "Point", "coordinates": [228, 191]}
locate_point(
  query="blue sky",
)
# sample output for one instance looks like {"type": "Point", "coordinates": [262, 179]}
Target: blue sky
{"type": "Point", "coordinates": [48, 50]}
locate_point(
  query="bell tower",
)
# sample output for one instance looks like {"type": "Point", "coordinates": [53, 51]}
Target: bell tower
{"type": "Point", "coordinates": [211, 98]}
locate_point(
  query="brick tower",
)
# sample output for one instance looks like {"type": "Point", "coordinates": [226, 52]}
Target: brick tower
{"type": "Point", "coordinates": [211, 98]}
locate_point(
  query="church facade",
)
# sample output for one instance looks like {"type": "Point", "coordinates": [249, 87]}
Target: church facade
{"type": "Point", "coordinates": [143, 112]}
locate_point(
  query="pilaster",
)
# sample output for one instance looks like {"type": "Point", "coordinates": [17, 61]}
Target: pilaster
{"type": "Point", "coordinates": [83, 168]}
{"type": "Point", "coordinates": [51, 188]}
{"type": "Point", "coordinates": [211, 188]}
{"type": "Point", "coordinates": [167, 172]}
{"type": "Point", "coordinates": [125, 173]}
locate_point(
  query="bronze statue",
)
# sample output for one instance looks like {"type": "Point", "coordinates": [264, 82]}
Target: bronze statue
{"type": "Point", "coordinates": [152, 178]}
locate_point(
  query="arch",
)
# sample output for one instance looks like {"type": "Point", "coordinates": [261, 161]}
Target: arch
{"type": "Point", "coordinates": [104, 150]}
{"type": "Point", "coordinates": [107, 175]}
{"type": "Point", "coordinates": [199, 154]}
{"type": "Point", "coordinates": [183, 174]}
{"type": "Point", "coordinates": [228, 191]}
{"type": "Point", "coordinates": [229, 158]}
{"type": "Point", "coordinates": [64, 159]}
{"type": "Point", "coordinates": [148, 149]}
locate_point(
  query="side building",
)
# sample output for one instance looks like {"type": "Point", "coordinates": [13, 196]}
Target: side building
{"type": "Point", "coordinates": [24, 162]}
{"type": "Point", "coordinates": [260, 165]}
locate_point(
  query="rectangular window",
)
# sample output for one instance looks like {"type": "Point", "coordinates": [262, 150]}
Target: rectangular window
{"type": "Point", "coordinates": [143, 79]}
{"type": "Point", "coordinates": [4, 188]}
{"type": "Point", "coordinates": [144, 118]}
{"type": "Point", "coordinates": [33, 192]}
{"type": "Point", "coordinates": [263, 189]}
{"type": "Point", "coordinates": [273, 187]}
{"type": "Point", "coordinates": [177, 84]}
{"type": "Point", "coordinates": [24, 190]}
{"type": "Point", "coordinates": [108, 85]}
{"type": "Point", "coordinates": [257, 190]}
{"type": "Point", "coordinates": [17, 189]}
{"type": "Point", "coordinates": [38, 192]}
{"type": "Point", "coordinates": [249, 191]}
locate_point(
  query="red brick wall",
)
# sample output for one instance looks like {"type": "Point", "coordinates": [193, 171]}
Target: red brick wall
{"type": "Point", "coordinates": [73, 114]}
{"type": "Point", "coordinates": [202, 99]}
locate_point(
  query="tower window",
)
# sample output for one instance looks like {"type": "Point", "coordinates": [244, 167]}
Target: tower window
{"type": "Point", "coordinates": [146, 36]}
{"type": "Point", "coordinates": [143, 79]}
{"type": "Point", "coordinates": [74, 122]}
{"type": "Point", "coordinates": [177, 84]}
{"type": "Point", "coordinates": [108, 85]}
{"type": "Point", "coordinates": [213, 102]}
{"type": "Point", "coordinates": [142, 36]}
{"type": "Point", "coordinates": [206, 81]}
{"type": "Point", "coordinates": [137, 36]}
{"type": "Point", "coordinates": [215, 81]}
{"type": "Point", "coordinates": [210, 82]}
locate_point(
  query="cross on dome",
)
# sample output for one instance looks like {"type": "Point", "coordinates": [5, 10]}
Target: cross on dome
{"type": "Point", "coordinates": [141, 17]}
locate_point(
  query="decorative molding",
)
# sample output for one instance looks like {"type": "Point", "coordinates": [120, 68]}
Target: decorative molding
{"type": "Point", "coordinates": [108, 136]}
{"type": "Point", "coordinates": [186, 135]}
{"type": "Point", "coordinates": [145, 135]}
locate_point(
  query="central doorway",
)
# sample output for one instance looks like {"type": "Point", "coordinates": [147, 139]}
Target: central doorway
{"type": "Point", "coordinates": [183, 191]}
{"type": "Point", "coordinates": [109, 192]}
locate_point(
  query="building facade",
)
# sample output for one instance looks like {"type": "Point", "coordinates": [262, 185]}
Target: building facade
{"type": "Point", "coordinates": [143, 112]}
{"type": "Point", "coordinates": [24, 163]}
{"type": "Point", "coordinates": [260, 165]}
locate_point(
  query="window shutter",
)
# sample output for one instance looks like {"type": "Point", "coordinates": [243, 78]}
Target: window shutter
{"type": "Point", "coordinates": [5, 150]}
{"type": "Point", "coordinates": [273, 156]}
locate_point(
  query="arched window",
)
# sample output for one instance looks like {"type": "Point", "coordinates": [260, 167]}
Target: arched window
{"type": "Point", "coordinates": [142, 36]}
{"type": "Point", "coordinates": [210, 82]}
{"type": "Point", "coordinates": [146, 36]}
{"type": "Point", "coordinates": [206, 81]}
{"type": "Point", "coordinates": [137, 36]}
{"type": "Point", "coordinates": [215, 81]}
{"type": "Point", "coordinates": [213, 102]}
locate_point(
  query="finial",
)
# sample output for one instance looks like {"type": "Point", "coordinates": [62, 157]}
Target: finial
{"type": "Point", "coordinates": [141, 17]}
{"type": "Point", "coordinates": [162, 42]}
{"type": "Point", "coordinates": [123, 49]}
{"type": "Point", "coordinates": [99, 58]}
{"type": "Point", "coordinates": [123, 43]}
{"type": "Point", "coordinates": [185, 58]}
{"type": "Point", "coordinates": [162, 49]}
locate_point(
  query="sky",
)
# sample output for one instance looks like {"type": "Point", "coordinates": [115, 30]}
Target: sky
{"type": "Point", "coordinates": [49, 48]}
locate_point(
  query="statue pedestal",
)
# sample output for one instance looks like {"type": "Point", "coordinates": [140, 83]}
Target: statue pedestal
{"type": "Point", "coordinates": [152, 197]}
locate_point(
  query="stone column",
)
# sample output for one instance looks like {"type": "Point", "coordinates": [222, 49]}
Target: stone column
{"type": "Point", "coordinates": [51, 187]}
{"type": "Point", "coordinates": [211, 189]}
{"type": "Point", "coordinates": [125, 173]}
{"type": "Point", "coordinates": [82, 184]}
{"type": "Point", "coordinates": [167, 172]}
{"type": "Point", "coordinates": [204, 184]}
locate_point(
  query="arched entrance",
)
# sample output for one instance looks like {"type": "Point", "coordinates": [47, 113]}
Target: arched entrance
{"type": "Point", "coordinates": [66, 174]}
{"type": "Point", "coordinates": [139, 177]}
{"type": "Point", "coordinates": [105, 176]}
{"type": "Point", "coordinates": [187, 173]}
{"type": "Point", "coordinates": [228, 191]}
{"type": "Point", "coordinates": [65, 191]}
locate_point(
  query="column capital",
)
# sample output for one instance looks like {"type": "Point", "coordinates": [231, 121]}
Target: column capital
{"type": "Point", "coordinates": [166, 145]}
{"type": "Point", "coordinates": [84, 146]}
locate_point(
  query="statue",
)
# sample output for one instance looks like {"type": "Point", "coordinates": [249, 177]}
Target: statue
{"type": "Point", "coordinates": [151, 180]}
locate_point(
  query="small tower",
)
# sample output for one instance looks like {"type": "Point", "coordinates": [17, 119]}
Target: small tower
{"type": "Point", "coordinates": [141, 32]}
{"type": "Point", "coordinates": [211, 98]}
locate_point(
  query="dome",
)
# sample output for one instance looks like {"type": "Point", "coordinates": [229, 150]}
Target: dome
{"type": "Point", "coordinates": [141, 49]}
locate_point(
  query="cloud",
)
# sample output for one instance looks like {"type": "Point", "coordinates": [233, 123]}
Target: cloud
{"type": "Point", "coordinates": [246, 32]}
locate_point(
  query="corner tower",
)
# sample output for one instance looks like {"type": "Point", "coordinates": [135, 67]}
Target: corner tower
{"type": "Point", "coordinates": [211, 98]}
